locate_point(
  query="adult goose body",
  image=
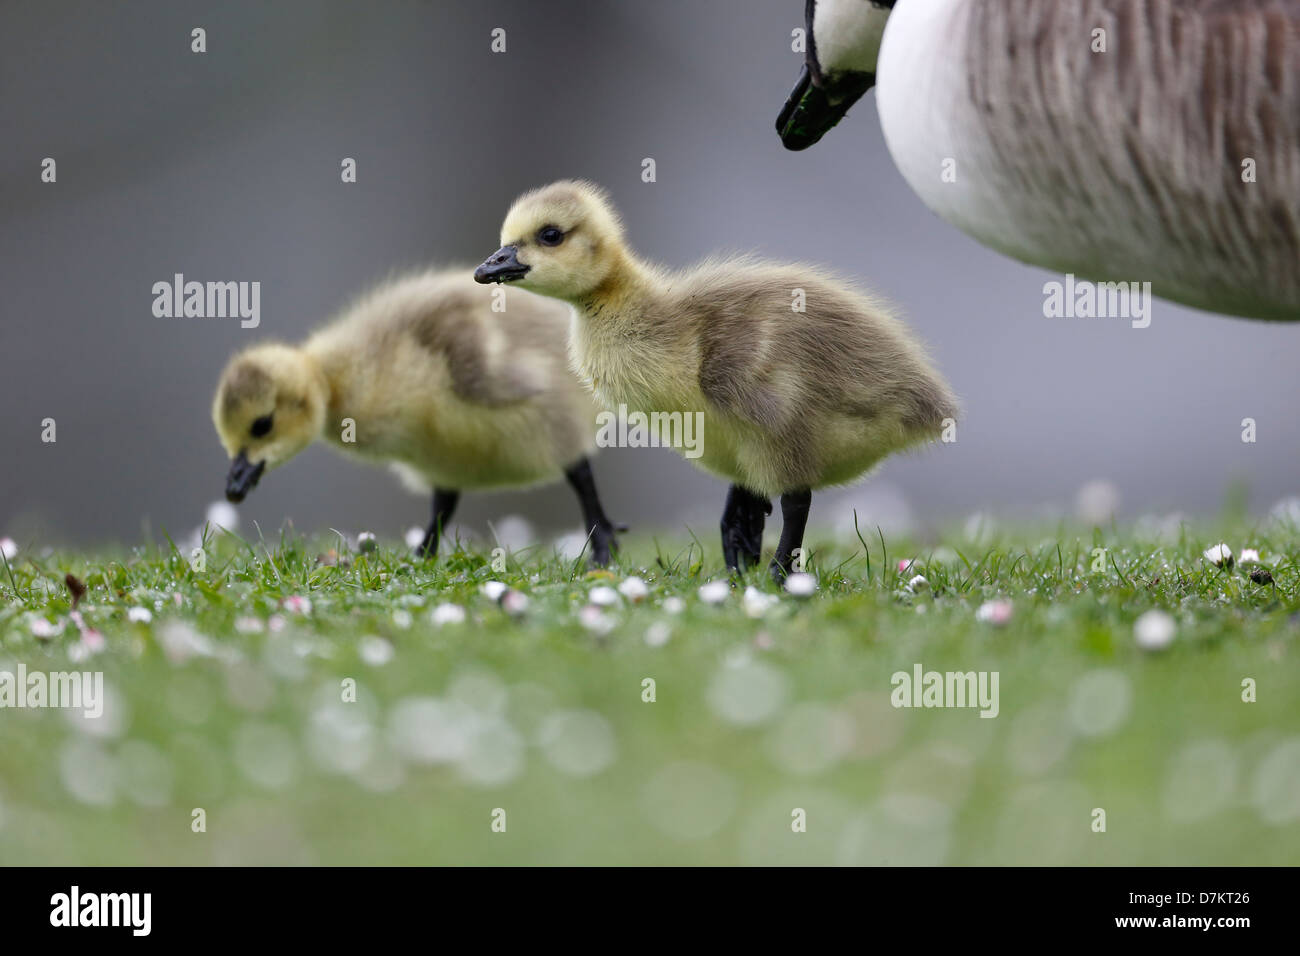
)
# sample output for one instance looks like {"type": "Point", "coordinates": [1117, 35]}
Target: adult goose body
{"type": "Point", "coordinates": [1124, 140]}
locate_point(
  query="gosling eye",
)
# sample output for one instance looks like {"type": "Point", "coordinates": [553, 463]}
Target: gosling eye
{"type": "Point", "coordinates": [550, 235]}
{"type": "Point", "coordinates": [261, 426]}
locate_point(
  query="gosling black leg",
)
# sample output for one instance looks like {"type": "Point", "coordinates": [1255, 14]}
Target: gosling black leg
{"type": "Point", "coordinates": [743, 517]}
{"type": "Point", "coordinates": [600, 530]}
{"type": "Point", "coordinates": [794, 518]}
{"type": "Point", "coordinates": [444, 503]}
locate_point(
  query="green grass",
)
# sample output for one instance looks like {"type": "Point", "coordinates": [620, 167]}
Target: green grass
{"type": "Point", "coordinates": [543, 716]}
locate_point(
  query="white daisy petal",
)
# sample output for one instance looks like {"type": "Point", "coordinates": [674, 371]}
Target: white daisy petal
{"type": "Point", "coordinates": [1220, 556]}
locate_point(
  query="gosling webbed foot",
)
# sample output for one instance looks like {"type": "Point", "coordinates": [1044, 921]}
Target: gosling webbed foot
{"type": "Point", "coordinates": [444, 505]}
{"type": "Point", "coordinates": [600, 530]}
{"type": "Point", "coordinates": [604, 543]}
{"type": "Point", "coordinates": [427, 548]}
{"type": "Point", "coordinates": [742, 545]}
{"type": "Point", "coordinates": [794, 519]}
{"type": "Point", "coordinates": [743, 518]}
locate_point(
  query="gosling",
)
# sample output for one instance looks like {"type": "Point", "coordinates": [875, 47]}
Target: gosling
{"type": "Point", "coordinates": [803, 381]}
{"type": "Point", "coordinates": [423, 374]}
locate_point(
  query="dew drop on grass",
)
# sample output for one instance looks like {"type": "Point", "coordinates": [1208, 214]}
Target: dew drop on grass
{"type": "Point", "coordinates": [427, 730]}
{"type": "Point", "coordinates": [495, 755]}
{"type": "Point", "coordinates": [265, 754]}
{"type": "Point", "coordinates": [658, 633]}
{"type": "Point", "coordinates": [1202, 780]}
{"type": "Point", "coordinates": [689, 801]}
{"type": "Point", "coordinates": [1275, 791]}
{"type": "Point", "coordinates": [88, 772]}
{"type": "Point", "coordinates": [1100, 702]}
{"type": "Point", "coordinates": [340, 737]}
{"type": "Point", "coordinates": [748, 694]}
{"type": "Point", "coordinates": [579, 743]}
{"type": "Point", "coordinates": [374, 650]}
{"type": "Point", "coordinates": [810, 739]}
{"type": "Point", "coordinates": [146, 774]}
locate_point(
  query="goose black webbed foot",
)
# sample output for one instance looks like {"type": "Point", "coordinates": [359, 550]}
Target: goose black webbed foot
{"type": "Point", "coordinates": [743, 518]}
{"type": "Point", "coordinates": [604, 543]}
{"type": "Point", "coordinates": [444, 505]}
{"type": "Point", "coordinates": [600, 530]}
{"type": "Point", "coordinates": [794, 519]}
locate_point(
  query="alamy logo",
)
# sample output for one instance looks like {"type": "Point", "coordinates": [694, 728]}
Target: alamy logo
{"type": "Point", "coordinates": [208, 300]}
{"type": "Point", "coordinates": [133, 910]}
{"type": "Point", "coordinates": [624, 429]}
{"type": "Point", "coordinates": [923, 688]}
{"type": "Point", "coordinates": [1081, 299]}
{"type": "Point", "coordinates": [77, 690]}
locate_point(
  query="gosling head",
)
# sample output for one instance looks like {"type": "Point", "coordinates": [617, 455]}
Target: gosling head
{"type": "Point", "coordinates": [270, 405]}
{"type": "Point", "coordinates": [562, 240]}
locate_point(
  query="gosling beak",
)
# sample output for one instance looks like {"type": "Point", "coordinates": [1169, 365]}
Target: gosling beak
{"type": "Point", "coordinates": [813, 110]}
{"type": "Point", "coordinates": [243, 477]}
{"type": "Point", "coordinates": [502, 266]}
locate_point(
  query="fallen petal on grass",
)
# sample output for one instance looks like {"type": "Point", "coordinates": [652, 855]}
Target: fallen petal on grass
{"type": "Point", "coordinates": [375, 651]}
{"type": "Point", "coordinates": [997, 612]}
{"type": "Point", "coordinates": [603, 596]}
{"type": "Point", "coordinates": [715, 592]}
{"type": "Point", "coordinates": [634, 589]}
{"type": "Point", "coordinates": [296, 604]}
{"type": "Point", "coordinates": [45, 630]}
{"type": "Point", "coordinates": [594, 619]}
{"type": "Point", "coordinates": [658, 633]}
{"type": "Point", "coordinates": [515, 603]}
{"type": "Point", "coordinates": [801, 585]}
{"type": "Point", "coordinates": [756, 603]}
{"type": "Point", "coordinates": [1154, 630]}
{"type": "Point", "coordinates": [447, 614]}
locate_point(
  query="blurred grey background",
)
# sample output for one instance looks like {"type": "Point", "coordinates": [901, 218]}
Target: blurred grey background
{"type": "Point", "coordinates": [225, 166]}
